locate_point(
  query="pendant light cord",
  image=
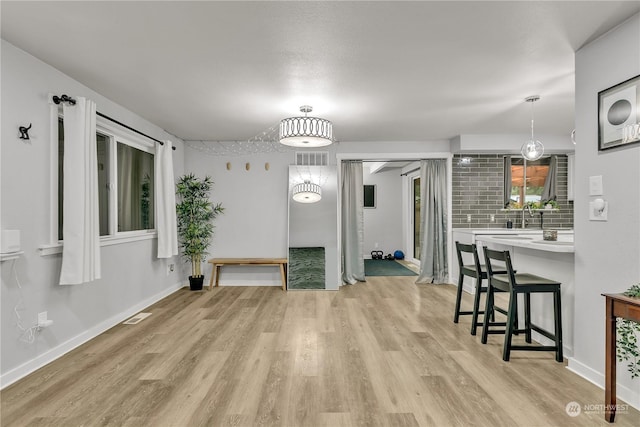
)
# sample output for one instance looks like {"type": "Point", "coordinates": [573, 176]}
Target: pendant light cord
{"type": "Point", "coordinates": [532, 138]}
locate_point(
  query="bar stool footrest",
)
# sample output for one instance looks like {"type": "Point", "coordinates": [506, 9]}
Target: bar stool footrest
{"type": "Point", "coordinates": [464, 313]}
{"type": "Point", "coordinates": [534, 347]}
{"type": "Point", "coordinates": [543, 332]}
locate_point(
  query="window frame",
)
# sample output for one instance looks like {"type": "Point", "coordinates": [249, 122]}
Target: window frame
{"type": "Point", "coordinates": [544, 161]}
{"type": "Point", "coordinates": [116, 134]}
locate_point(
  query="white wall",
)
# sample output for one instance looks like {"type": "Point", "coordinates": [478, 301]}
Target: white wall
{"type": "Point", "coordinates": [383, 225]}
{"type": "Point", "coordinates": [132, 277]}
{"type": "Point", "coordinates": [389, 149]}
{"type": "Point", "coordinates": [510, 143]}
{"type": "Point", "coordinates": [254, 223]}
{"type": "Point", "coordinates": [607, 253]}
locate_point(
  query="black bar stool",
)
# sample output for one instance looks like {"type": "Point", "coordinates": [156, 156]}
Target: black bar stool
{"type": "Point", "coordinates": [526, 284]}
{"type": "Point", "coordinates": [474, 270]}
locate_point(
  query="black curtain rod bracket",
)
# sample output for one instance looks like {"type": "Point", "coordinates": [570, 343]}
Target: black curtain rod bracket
{"type": "Point", "coordinates": [64, 98]}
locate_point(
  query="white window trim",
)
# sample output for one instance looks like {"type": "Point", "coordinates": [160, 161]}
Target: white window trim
{"type": "Point", "coordinates": [118, 134]}
{"type": "Point", "coordinates": [409, 219]}
{"type": "Point", "coordinates": [125, 237]}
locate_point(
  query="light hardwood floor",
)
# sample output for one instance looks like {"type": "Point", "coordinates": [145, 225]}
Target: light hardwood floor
{"type": "Point", "coordinates": [381, 353]}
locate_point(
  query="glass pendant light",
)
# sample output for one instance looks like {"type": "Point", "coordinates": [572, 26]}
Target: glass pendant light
{"type": "Point", "coordinates": [532, 149]}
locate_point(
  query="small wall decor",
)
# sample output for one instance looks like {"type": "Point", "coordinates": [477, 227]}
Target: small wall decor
{"type": "Point", "coordinates": [247, 166]}
{"type": "Point", "coordinates": [228, 166]}
{"type": "Point", "coordinates": [619, 114]}
{"type": "Point", "coordinates": [24, 132]}
{"type": "Point", "coordinates": [370, 196]}
{"type": "Point", "coordinates": [266, 166]}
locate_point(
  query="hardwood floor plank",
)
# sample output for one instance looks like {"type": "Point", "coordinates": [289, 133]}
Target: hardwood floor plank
{"type": "Point", "coordinates": [275, 392]}
{"type": "Point", "coordinates": [401, 420]}
{"type": "Point", "coordinates": [380, 353]}
{"type": "Point", "coordinates": [334, 419]}
{"type": "Point", "coordinates": [258, 362]}
{"type": "Point", "coordinates": [331, 356]}
{"type": "Point", "coordinates": [188, 395]}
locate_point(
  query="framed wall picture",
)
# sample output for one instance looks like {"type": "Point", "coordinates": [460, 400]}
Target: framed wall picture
{"type": "Point", "coordinates": [370, 196]}
{"type": "Point", "coordinates": [619, 114]}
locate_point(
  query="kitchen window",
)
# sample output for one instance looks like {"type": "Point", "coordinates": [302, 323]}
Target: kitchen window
{"type": "Point", "coordinates": [537, 172]}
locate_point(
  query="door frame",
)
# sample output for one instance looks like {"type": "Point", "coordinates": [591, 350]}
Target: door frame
{"type": "Point", "coordinates": [408, 215]}
{"type": "Point", "coordinates": [370, 157]}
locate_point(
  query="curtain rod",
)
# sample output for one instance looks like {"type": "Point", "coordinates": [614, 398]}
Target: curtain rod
{"type": "Point", "coordinates": [408, 172]}
{"type": "Point", "coordinates": [64, 98]}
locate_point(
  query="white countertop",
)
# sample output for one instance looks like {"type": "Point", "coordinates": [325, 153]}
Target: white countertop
{"type": "Point", "coordinates": [532, 241]}
{"type": "Point", "coordinates": [504, 230]}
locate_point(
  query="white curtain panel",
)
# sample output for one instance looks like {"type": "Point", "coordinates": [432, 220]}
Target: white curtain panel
{"type": "Point", "coordinates": [165, 192]}
{"type": "Point", "coordinates": [352, 223]}
{"type": "Point", "coordinates": [81, 225]}
{"type": "Point", "coordinates": [507, 182]}
{"type": "Point", "coordinates": [433, 222]}
{"type": "Point", "coordinates": [125, 189]}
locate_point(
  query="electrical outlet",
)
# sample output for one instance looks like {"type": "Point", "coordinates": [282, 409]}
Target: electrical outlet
{"type": "Point", "coordinates": [170, 268]}
{"type": "Point", "coordinates": [468, 217]}
{"type": "Point", "coordinates": [492, 218]}
{"type": "Point", "coordinates": [42, 318]}
{"type": "Point", "coordinates": [43, 321]}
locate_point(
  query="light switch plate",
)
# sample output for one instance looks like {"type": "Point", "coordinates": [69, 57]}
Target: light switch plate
{"type": "Point", "coordinates": [595, 185]}
{"type": "Point", "coordinates": [594, 215]}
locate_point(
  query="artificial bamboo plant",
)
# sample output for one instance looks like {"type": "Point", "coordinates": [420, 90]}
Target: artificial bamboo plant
{"type": "Point", "coordinates": [195, 214]}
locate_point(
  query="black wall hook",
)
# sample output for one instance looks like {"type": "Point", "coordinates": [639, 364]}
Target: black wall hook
{"type": "Point", "coordinates": [24, 132]}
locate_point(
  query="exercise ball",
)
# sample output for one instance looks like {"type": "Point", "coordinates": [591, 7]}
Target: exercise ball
{"type": "Point", "coordinates": [398, 255]}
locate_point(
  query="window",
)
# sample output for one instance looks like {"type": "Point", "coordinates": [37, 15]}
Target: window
{"type": "Point", "coordinates": [370, 196]}
{"type": "Point", "coordinates": [537, 172]}
{"type": "Point", "coordinates": [126, 165]}
{"type": "Point", "coordinates": [416, 217]}
{"type": "Point", "coordinates": [135, 189]}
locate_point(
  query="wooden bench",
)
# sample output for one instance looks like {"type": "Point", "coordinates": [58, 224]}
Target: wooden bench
{"type": "Point", "coordinates": [219, 262]}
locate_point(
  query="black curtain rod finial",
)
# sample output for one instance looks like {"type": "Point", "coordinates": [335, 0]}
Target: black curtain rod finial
{"type": "Point", "coordinates": [63, 98]}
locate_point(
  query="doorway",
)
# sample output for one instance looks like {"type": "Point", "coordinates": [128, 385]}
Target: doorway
{"type": "Point", "coordinates": [410, 204]}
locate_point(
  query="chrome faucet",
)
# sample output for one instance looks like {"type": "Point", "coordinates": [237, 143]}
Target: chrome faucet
{"type": "Point", "coordinates": [527, 207]}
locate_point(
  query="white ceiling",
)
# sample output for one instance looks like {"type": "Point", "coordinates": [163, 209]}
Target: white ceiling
{"type": "Point", "coordinates": [381, 71]}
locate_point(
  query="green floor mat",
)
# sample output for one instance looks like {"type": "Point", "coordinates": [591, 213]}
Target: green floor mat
{"type": "Point", "coordinates": [384, 267]}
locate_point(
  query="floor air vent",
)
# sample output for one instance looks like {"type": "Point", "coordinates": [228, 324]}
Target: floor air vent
{"type": "Point", "coordinates": [136, 319]}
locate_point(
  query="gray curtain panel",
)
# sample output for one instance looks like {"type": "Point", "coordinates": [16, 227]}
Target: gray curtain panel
{"type": "Point", "coordinates": [433, 225]}
{"type": "Point", "coordinates": [507, 181]}
{"type": "Point", "coordinates": [352, 223]}
{"type": "Point", "coordinates": [550, 191]}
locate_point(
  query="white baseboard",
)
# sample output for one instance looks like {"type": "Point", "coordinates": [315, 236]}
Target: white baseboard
{"type": "Point", "coordinates": [470, 289]}
{"type": "Point", "coordinates": [49, 356]}
{"type": "Point", "coordinates": [629, 396]}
